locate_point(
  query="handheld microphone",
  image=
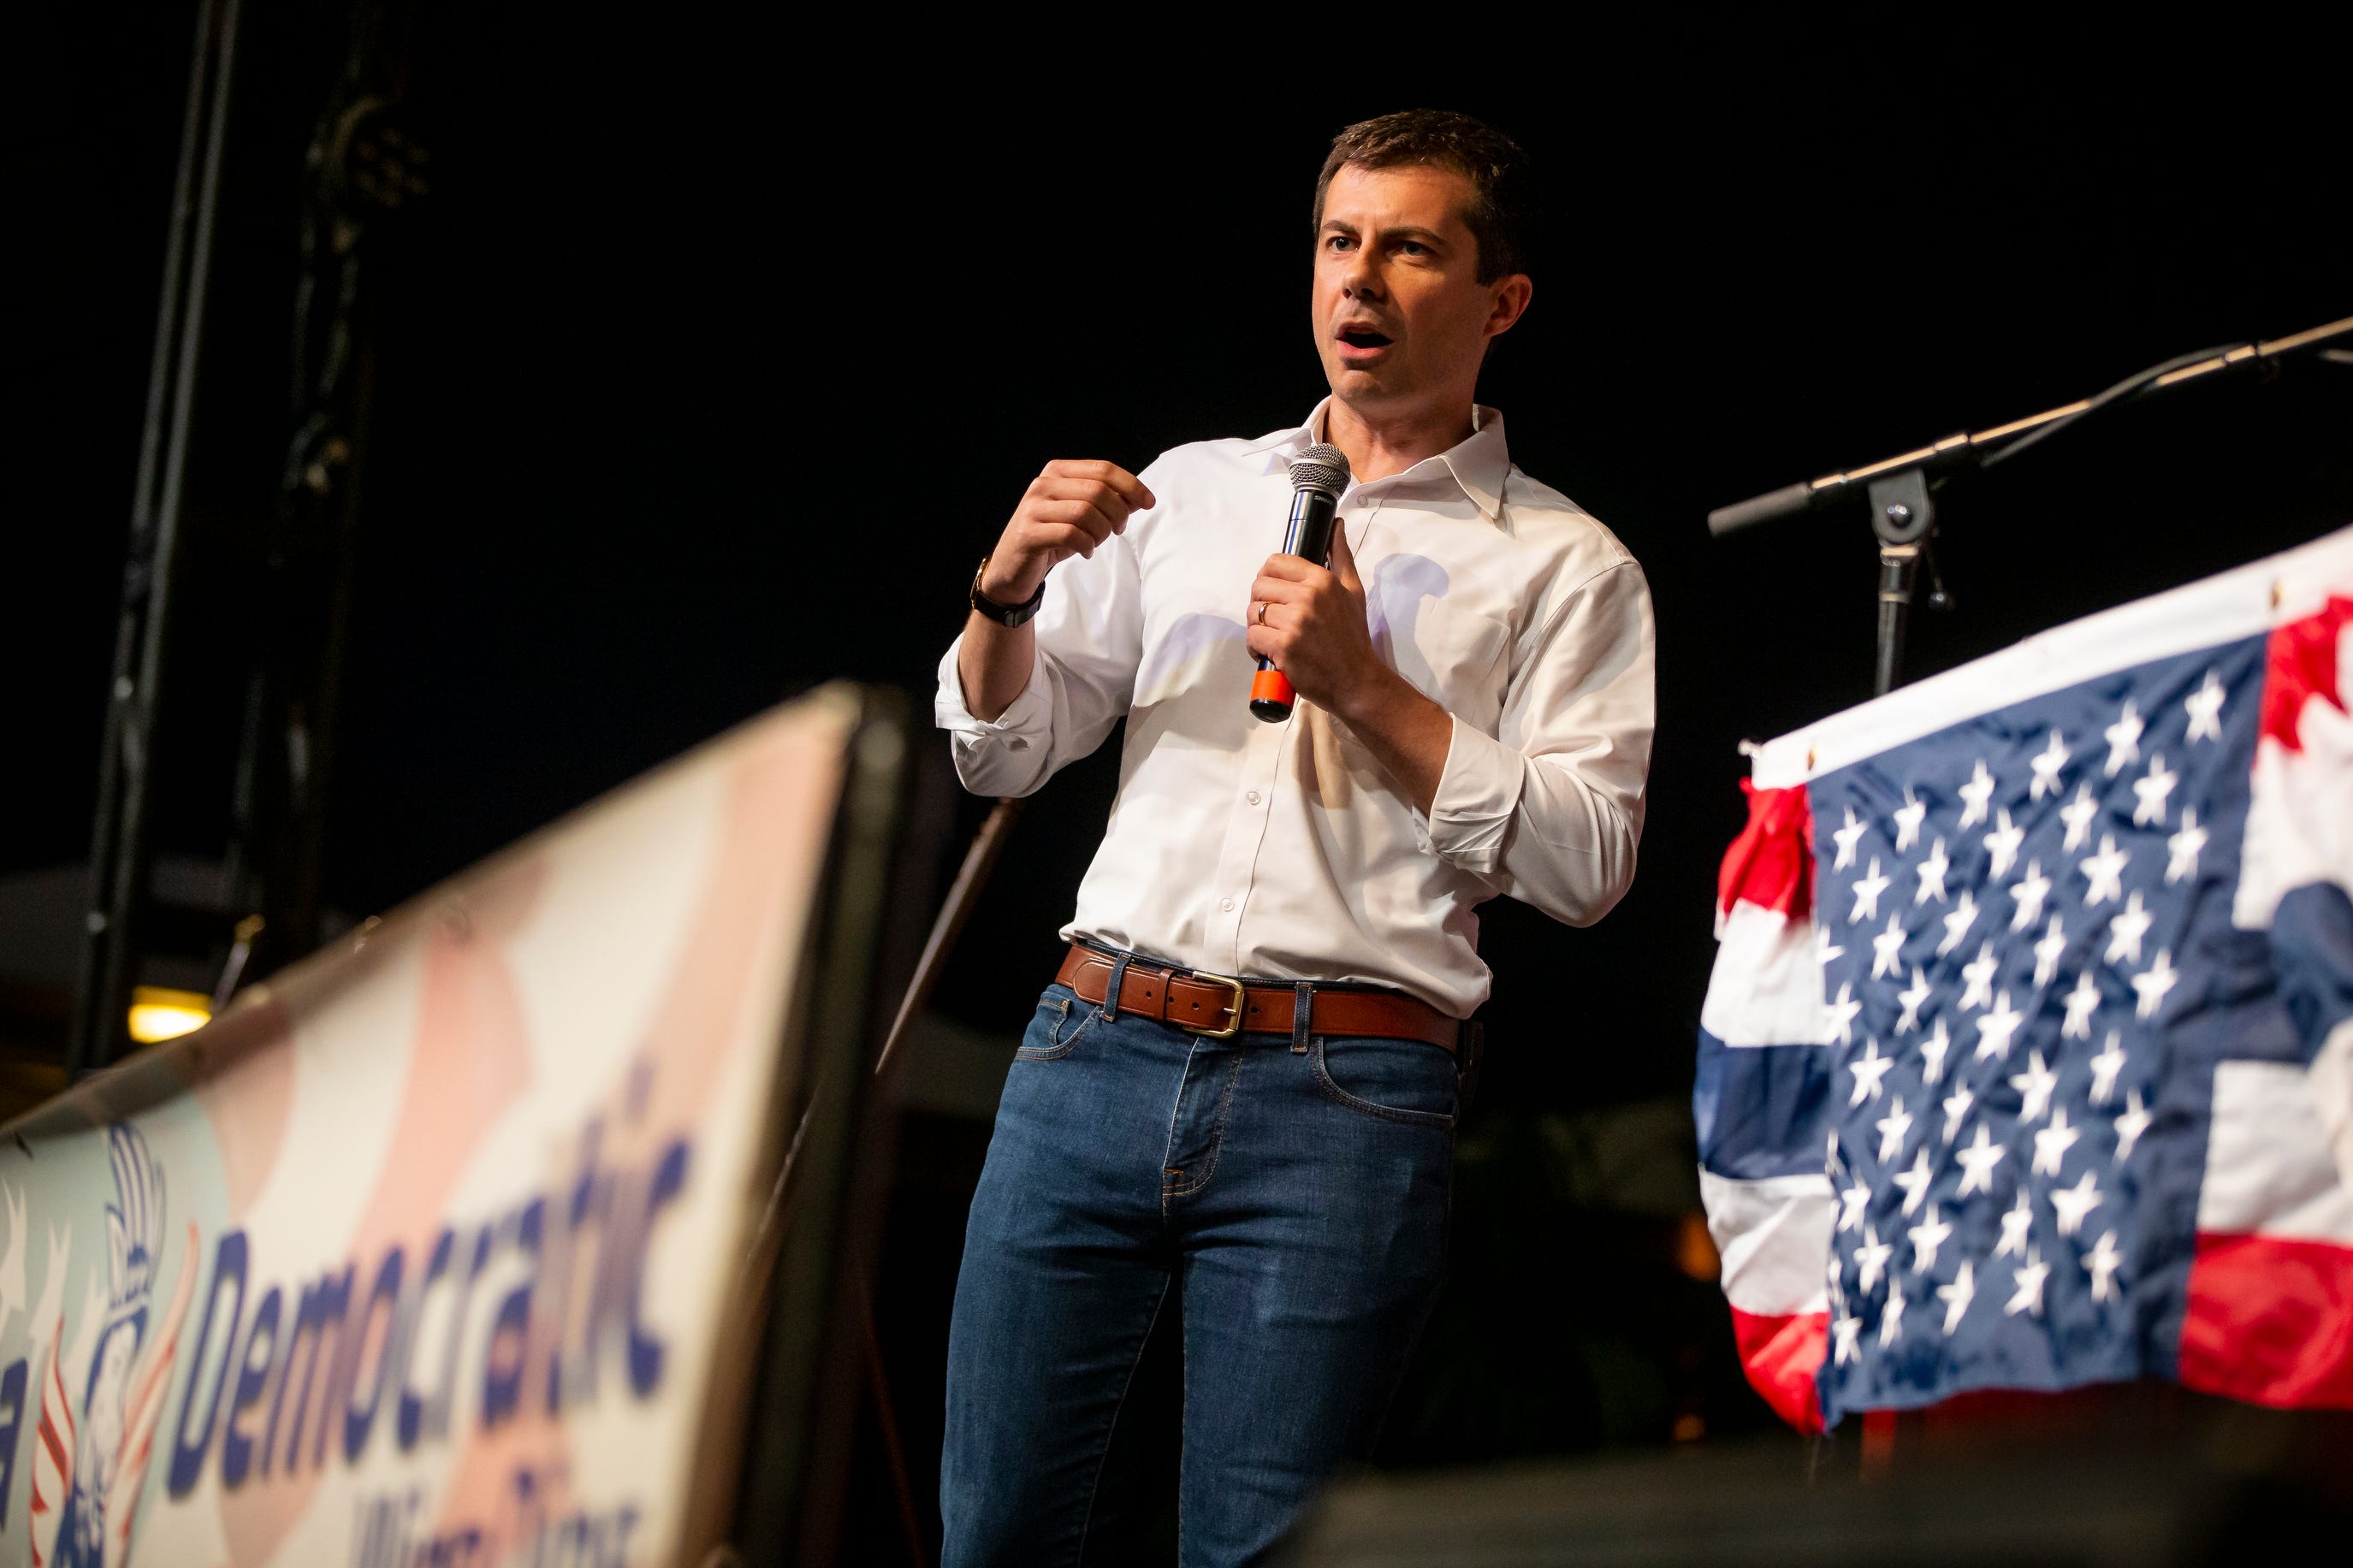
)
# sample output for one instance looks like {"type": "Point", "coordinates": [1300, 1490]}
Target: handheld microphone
{"type": "Point", "coordinates": [1318, 475]}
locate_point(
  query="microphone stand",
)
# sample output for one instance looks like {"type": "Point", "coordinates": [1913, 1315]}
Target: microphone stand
{"type": "Point", "coordinates": [1904, 518]}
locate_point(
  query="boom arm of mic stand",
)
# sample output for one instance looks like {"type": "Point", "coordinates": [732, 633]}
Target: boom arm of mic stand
{"type": "Point", "coordinates": [1990, 447]}
{"type": "Point", "coordinates": [1784, 503]}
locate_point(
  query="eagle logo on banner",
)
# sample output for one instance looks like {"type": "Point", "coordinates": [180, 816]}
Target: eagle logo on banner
{"type": "Point", "coordinates": [102, 1395]}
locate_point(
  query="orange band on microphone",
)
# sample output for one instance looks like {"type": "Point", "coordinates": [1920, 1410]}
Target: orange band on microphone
{"type": "Point", "coordinates": [1271, 685]}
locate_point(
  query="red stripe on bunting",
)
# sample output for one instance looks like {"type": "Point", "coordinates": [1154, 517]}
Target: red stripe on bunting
{"type": "Point", "coordinates": [1771, 864]}
{"type": "Point", "coordinates": [2270, 1320]}
{"type": "Point", "coordinates": [2300, 663]}
{"type": "Point", "coordinates": [1782, 1356]}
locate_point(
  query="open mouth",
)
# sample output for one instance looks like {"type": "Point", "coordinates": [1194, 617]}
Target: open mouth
{"type": "Point", "coordinates": [1364, 338]}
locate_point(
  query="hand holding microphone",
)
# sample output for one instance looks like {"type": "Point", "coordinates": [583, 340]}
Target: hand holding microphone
{"type": "Point", "coordinates": [1307, 624]}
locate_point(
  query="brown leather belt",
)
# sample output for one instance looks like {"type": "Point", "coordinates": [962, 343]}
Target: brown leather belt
{"type": "Point", "coordinates": [1216, 1006]}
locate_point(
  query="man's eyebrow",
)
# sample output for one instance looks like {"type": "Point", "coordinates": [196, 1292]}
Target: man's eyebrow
{"type": "Point", "coordinates": [1403, 231]}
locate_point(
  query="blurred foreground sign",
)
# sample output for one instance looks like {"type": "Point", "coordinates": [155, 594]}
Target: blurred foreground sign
{"type": "Point", "coordinates": [431, 1250]}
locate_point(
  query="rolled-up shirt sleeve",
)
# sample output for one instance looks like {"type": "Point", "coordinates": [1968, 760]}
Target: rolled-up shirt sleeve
{"type": "Point", "coordinates": [1082, 675]}
{"type": "Point", "coordinates": [1549, 808]}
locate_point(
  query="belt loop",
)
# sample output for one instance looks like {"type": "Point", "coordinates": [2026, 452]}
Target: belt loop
{"type": "Point", "coordinates": [1302, 1009]}
{"type": "Point", "coordinates": [1110, 1010]}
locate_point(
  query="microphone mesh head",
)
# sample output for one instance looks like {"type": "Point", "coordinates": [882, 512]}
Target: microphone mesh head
{"type": "Point", "coordinates": [1320, 467]}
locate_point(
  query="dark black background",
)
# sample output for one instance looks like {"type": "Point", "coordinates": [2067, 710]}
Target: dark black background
{"type": "Point", "coordinates": [713, 361]}
{"type": "Point", "coordinates": [718, 353]}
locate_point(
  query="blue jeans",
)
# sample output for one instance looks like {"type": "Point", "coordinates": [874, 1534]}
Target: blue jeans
{"type": "Point", "coordinates": [1292, 1193]}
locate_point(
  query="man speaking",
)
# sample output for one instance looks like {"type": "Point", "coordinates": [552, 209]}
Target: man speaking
{"type": "Point", "coordinates": [1237, 1099]}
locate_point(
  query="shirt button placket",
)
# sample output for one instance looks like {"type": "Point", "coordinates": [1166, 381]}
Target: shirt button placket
{"type": "Point", "coordinates": [1262, 759]}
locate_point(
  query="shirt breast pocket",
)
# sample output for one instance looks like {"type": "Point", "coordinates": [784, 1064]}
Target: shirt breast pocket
{"type": "Point", "coordinates": [1461, 653]}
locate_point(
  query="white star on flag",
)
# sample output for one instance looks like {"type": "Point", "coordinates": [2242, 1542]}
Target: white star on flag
{"type": "Point", "coordinates": [1891, 1321]}
{"type": "Point", "coordinates": [2074, 1203]}
{"type": "Point", "coordinates": [1847, 1329]}
{"type": "Point", "coordinates": [1908, 818]}
{"type": "Point", "coordinates": [2028, 1278]}
{"type": "Point", "coordinates": [1932, 1054]}
{"type": "Point", "coordinates": [1887, 948]}
{"type": "Point", "coordinates": [1868, 1069]}
{"type": "Point", "coordinates": [2002, 845]}
{"type": "Point", "coordinates": [2017, 1225]}
{"type": "Point", "coordinates": [1979, 973]}
{"type": "Point", "coordinates": [1996, 1028]}
{"type": "Point", "coordinates": [2124, 739]}
{"type": "Point", "coordinates": [2107, 871]}
{"type": "Point", "coordinates": [1893, 1128]}
{"type": "Point", "coordinates": [2125, 930]}
{"type": "Point", "coordinates": [2047, 763]}
{"type": "Point", "coordinates": [2103, 1264]}
{"type": "Point", "coordinates": [2153, 983]}
{"type": "Point", "coordinates": [1911, 999]}
{"type": "Point", "coordinates": [1840, 1013]}
{"type": "Point", "coordinates": [2184, 846]}
{"type": "Point", "coordinates": [2034, 1086]}
{"type": "Point", "coordinates": [1927, 1237]}
{"type": "Point", "coordinates": [1957, 924]}
{"type": "Point", "coordinates": [1957, 1295]}
{"type": "Point", "coordinates": [1871, 1256]}
{"type": "Point", "coordinates": [1867, 888]}
{"type": "Point", "coordinates": [2051, 1144]}
{"type": "Point", "coordinates": [2082, 1002]}
{"type": "Point", "coordinates": [2204, 706]}
{"type": "Point", "coordinates": [2031, 890]}
{"type": "Point", "coordinates": [1914, 1182]}
{"type": "Point", "coordinates": [2150, 789]}
{"type": "Point", "coordinates": [2105, 1068]}
{"type": "Point", "coordinates": [1851, 1203]}
{"type": "Point", "coordinates": [1824, 949]}
{"type": "Point", "coordinates": [1977, 793]}
{"type": "Point", "coordinates": [2078, 815]}
{"type": "Point", "coordinates": [2049, 951]}
{"type": "Point", "coordinates": [1848, 838]}
{"type": "Point", "coordinates": [1956, 1109]}
{"type": "Point", "coordinates": [1978, 1161]}
{"type": "Point", "coordinates": [2131, 1125]}
{"type": "Point", "coordinates": [1932, 874]}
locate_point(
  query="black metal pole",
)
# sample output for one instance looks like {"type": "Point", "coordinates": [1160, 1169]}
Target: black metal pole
{"type": "Point", "coordinates": [119, 833]}
{"type": "Point", "coordinates": [1902, 517]}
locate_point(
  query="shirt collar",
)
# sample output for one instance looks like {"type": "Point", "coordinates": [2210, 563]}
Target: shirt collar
{"type": "Point", "coordinates": [1477, 465]}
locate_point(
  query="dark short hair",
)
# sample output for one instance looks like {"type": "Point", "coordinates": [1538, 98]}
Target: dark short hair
{"type": "Point", "coordinates": [1501, 217]}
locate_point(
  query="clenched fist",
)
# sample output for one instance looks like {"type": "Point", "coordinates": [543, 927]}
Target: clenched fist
{"type": "Point", "coordinates": [1067, 510]}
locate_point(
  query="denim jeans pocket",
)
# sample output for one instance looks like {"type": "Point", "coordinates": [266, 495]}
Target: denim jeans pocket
{"type": "Point", "coordinates": [1405, 1081]}
{"type": "Point", "coordinates": [1061, 1021]}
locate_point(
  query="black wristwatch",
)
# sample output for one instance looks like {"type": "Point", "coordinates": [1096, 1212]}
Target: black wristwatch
{"type": "Point", "coordinates": [1003, 614]}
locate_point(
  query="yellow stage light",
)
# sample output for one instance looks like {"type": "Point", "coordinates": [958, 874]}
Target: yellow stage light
{"type": "Point", "coordinates": [159, 1013]}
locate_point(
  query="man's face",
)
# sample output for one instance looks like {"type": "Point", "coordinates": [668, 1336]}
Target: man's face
{"type": "Point", "coordinates": [1400, 313]}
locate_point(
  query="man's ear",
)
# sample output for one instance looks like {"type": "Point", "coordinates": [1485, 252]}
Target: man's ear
{"type": "Point", "coordinates": [1509, 299]}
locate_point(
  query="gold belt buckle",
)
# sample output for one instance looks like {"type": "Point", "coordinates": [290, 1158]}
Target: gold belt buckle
{"type": "Point", "coordinates": [1240, 1004]}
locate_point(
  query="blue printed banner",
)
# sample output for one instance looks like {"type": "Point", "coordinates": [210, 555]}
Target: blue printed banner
{"type": "Point", "coordinates": [424, 1252]}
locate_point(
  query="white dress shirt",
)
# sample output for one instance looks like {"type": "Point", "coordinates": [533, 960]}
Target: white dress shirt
{"type": "Point", "coordinates": [1241, 847]}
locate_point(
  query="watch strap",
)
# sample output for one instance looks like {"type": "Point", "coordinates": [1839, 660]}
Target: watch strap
{"type": "Point", "coordinates": [1003, 614]}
